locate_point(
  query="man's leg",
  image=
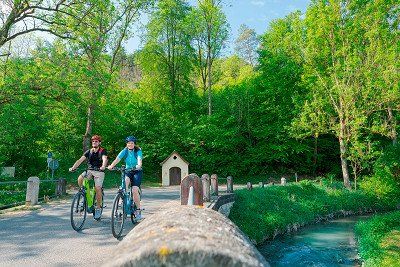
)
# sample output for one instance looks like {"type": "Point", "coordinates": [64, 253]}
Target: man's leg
{"type": "Point", "coordinates": [99, 196]}
{"type": "Point", "coordinates": [80, 180]}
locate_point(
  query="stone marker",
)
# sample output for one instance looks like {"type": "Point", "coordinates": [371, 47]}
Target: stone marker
{"type": "Point", "coordinates": [186, 236]}
{"type": "Point", "coordinates": [283, 181]}
{"type": "Point", "coordinates": [249, 186]}
{"type": "Point", "coordinates": [205, 179]}
{"type": "Point", "coordinates": [194, 181]}
{"type": "Point", "coordinates": [61, 187]}
{"type": "Point", "coordinates": [214, 185]}
{"type": "Point", "coordinates": [229, 184]}
{"type": "Point", "coordinates": [261, 184]}
{"type": "Point", "coordinates": [32, 191]}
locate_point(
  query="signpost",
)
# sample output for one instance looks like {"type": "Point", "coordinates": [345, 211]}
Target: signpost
{"type": "Point", "coordinates": [52, 164]}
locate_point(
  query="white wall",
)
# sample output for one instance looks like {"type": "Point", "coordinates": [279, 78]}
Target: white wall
{"type": "Point", "coordinates": [171, 162]}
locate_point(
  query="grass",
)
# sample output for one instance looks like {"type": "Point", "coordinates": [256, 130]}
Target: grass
{"type": "Point", "coordinates": [263, 212]}
{"type": "Point", "coordinates": [379, 239]}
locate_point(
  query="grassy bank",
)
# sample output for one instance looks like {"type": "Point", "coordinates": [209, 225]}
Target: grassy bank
{"type": "Point", "coordinates": [379, 240]}
{"type": "Point", "coordinates": [264, 212]}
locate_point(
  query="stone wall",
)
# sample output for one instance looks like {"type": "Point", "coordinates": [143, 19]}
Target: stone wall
{"type": "Point", "coordinates": [186, 236]}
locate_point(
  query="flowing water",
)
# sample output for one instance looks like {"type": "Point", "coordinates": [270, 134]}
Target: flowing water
{"type": "Point", "coordinates": [326, 244]}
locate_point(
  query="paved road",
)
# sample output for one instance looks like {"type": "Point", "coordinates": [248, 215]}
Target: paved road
{"type": "Point", "coordinates": [45, 237]}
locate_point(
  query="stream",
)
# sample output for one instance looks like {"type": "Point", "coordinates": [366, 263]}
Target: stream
{"type": "Point", "coordinates": [326, 244]}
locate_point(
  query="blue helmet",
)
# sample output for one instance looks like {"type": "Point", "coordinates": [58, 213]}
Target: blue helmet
{"type": "Point", "coordinates": [130, 138]}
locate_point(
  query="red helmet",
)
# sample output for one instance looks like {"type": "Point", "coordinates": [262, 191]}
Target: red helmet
{"type": "Point", "coordinates": [96, 137]}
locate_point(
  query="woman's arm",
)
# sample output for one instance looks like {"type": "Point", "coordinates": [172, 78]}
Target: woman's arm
{"type": "Point", "coordinates": [115, 162]}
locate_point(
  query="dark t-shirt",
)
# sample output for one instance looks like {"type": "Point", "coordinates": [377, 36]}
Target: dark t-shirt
{"type": "Point", "coordinates": [95, 158]}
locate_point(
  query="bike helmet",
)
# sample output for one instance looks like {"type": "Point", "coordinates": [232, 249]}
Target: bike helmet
{"type": "Point", "coordinates": [96, 137]}
{"type": "Point", "coordinates": [130, 138]}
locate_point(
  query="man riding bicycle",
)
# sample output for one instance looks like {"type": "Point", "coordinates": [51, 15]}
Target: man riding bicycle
{"type": "Point", "coordinates": [97, 161]}
{"type": "Point", "coordinates": [132, 154]}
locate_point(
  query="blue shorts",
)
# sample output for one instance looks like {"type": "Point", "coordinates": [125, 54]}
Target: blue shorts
{"type": "Point", "coordinates": [135, 177]}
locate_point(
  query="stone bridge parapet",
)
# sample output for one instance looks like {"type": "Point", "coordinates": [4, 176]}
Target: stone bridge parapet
{"type": "Point", "coordinates": [186, 236]}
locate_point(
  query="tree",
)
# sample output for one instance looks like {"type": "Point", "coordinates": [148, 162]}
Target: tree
{"type": "Point", "coordinates": [23, 16]}
{"type": "Point", "coordinates": [246, 44]}
{"type": "Point", "coordinates": [210, 29]}
{"type": "Point", "coordinates": [166, 58]}
{"type": "Point", "coordinates": [104, 29]}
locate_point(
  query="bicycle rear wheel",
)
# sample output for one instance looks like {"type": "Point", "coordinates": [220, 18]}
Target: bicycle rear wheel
{"type": "Point", "coordinates": [78, 211]}
{"type": "Point", "coordinates": [118, 216]}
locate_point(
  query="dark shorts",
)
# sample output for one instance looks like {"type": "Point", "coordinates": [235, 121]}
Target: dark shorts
{"type": "Point", "coordinates": [135, 177]}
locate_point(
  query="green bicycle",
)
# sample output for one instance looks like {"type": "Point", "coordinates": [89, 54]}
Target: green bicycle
{"type": "Point", "coordinates": [84, 202]}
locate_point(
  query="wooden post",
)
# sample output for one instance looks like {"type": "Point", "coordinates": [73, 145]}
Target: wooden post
{"type": "Point", "coordinates": [283, 181]}
{"type": "Point", "coordinates": [229, 184]}
{"type": "Point", "coordinates": [295, 175]}
{"type": "Point", "coordinates": [214, 185]}
{"type": "Point", "coordinates": [192, 180]}
{"type": "Point", "coordinates": [205, 179]}
{"type": "Point", "coordinates": [32, 191]}
{"type": "Point", "coordinates": [61, 187]}
{"type": "Point", "coordinates": [249, 186]}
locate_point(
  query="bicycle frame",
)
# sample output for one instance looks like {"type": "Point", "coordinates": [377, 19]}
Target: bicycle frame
{"type": "Point", "coordinates": [127, 195]}
{"type": "Point", "coordinates": [89, 192]}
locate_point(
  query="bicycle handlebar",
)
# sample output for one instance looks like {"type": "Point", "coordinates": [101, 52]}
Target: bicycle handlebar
{"type": "Point", "coordinates": [88, 169]}
{"type": "Point", "coordinates": [124, 169]}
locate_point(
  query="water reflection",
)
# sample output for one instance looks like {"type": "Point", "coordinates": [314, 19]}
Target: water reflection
{"type": "Point", "coordinates": [326, 244]}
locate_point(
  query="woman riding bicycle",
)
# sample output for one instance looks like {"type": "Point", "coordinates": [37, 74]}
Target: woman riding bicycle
{"type": "Point", "coordinates": [132, 154]}
{"type": "Point", "coordinates": [97, 162]}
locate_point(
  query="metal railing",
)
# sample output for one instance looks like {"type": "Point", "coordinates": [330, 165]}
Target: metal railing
{"type": "Point", "coordinates": [14, 193]}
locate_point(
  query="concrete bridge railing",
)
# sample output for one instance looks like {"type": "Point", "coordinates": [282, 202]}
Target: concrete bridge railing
{"type": "Point", "coordinates": [190, 235]}
{"type": "Point", "coordinates": [186, 236]}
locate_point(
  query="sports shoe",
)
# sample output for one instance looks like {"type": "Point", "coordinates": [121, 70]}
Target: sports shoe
{"type": "Point", "coordinates": [138, 215]}
{"type": "Point", "coordinates": [97, 214]}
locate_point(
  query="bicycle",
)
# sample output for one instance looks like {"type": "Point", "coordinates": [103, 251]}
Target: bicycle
{"type": "Point", "coordinates": [123, 205]}
{"type": "Point", "coordinates": [84, 202]}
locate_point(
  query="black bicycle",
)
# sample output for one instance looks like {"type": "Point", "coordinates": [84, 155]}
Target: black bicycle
{"type": "Point", "coordinates": [123, 205]}
{"type": "Point", "coordinates": [84, 202]}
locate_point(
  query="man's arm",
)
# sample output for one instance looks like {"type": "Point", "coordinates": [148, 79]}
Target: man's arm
{"type": "Point", "coordinates": [77, 163]}
{"type": "Point", "coordinates": [105, 161]}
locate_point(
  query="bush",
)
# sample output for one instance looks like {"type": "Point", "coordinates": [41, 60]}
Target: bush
{"type": "Point", "coordinates": [262, 211]}
{"type": "Point", "coordinates": [378, 239]}
{"type": "Point", "coordinates": [385, 181]}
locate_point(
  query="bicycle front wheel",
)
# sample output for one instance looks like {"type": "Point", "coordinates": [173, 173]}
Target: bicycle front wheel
{"type": "Point", "coordinates": [78, 211]}
{"type": "Point", "coordinates": [118, 216]}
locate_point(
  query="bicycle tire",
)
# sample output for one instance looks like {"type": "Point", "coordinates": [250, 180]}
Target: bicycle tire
{"type": "Point", "coordinates": [118, 215]}
{"type": "Point", "coordinates": [78, 211]}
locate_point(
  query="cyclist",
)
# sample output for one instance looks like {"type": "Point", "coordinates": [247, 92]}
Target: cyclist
{"type": "Point", "coordinates": [97, 161]}
{"type": "Point", "coordinates": [132, 154]}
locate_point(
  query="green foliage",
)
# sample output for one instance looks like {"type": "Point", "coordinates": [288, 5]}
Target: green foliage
{"type": "Point", "coordinates": [385, 181]}
{"type": "Point", "coordinates": [378, 239]}
{"type": "Point", "coordinates": [263, 211]}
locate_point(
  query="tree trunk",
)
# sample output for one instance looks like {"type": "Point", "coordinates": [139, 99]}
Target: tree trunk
{"type": "Point", "coordinates": [88, 132]}
{"type": "Point", "coordinates": [343, 151]}
{"type": "Point", "coordinates": [315, 156]}
{"type": "Point", "coordinates": [392, 123]}
{"type": "Point", "coordinates": [209, 83]}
